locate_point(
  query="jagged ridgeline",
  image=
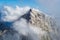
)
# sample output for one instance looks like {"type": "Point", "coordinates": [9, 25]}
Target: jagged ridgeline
{"type": "Point", "coordinates": [36, 26]}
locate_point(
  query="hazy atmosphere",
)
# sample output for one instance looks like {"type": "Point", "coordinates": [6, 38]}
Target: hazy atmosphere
{"type": "Point", "coordinates": [29, 19]}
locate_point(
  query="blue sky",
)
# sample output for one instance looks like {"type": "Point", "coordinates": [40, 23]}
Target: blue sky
{"type": "Point", "coordinates": [31, 3]}
{"type": "Point", "coordinates": [18, 2]}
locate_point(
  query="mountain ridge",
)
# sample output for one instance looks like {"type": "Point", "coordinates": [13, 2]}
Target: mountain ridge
{"type": "Point", "coordinates": [30, 25]}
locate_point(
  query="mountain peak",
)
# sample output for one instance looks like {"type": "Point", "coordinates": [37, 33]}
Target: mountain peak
{"type": "Point", "coordinates": [26, 24]}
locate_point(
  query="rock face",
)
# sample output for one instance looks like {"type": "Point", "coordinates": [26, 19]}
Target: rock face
{"type": "Point", "coordinates": [40, 27]}
{"type": "Point", "coordinates": [45, 24]}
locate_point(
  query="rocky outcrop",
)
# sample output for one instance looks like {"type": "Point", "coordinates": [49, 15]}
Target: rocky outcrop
{"type": "Point", "coordinates": [45, 23]}
{"type": "Point", "coordinates": [42, 26]}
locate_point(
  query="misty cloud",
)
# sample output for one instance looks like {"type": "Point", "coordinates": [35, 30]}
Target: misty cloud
{"type": "Point", "coordinates": [11, 14]}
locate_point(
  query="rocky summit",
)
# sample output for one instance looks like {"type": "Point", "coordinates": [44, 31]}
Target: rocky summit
{"type": "Point", "coordinates": [32, 25]}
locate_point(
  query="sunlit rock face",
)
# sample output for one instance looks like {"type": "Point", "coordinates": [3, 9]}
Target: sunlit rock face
{"type": "Point", "coordinates": [27, 24]}
{"type": "Point", "coordinates": [43, 25]}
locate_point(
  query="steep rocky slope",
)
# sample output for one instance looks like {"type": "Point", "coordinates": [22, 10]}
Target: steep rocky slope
{"type": "Point", "coordinates": [33, 25]}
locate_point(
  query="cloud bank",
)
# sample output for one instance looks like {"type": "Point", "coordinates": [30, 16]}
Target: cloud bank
{"type": "Point", "coordinates": [11, 14]}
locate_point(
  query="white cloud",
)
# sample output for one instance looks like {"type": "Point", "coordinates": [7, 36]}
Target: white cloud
{"type": "Point", "coordinates": [21, 26]}
{"type": "Point", "coordinates": [12, 14]}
